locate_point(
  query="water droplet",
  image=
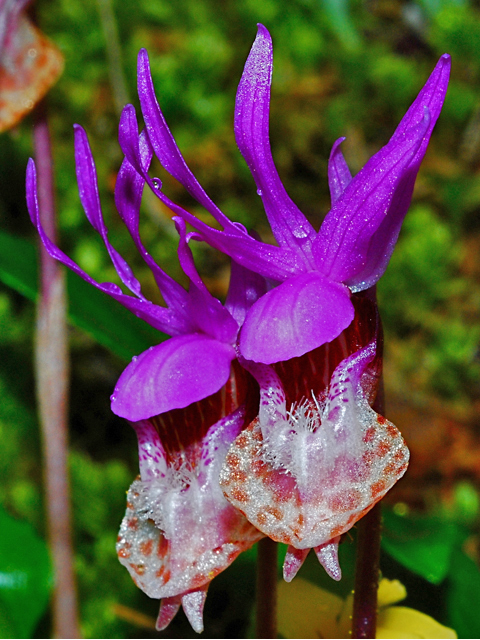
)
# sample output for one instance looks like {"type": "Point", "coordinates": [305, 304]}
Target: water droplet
{"type": "Point", "coordinates": [259, 192]}
{"type": "Point", "coordinates": [157, 183]}
{"type": "Point", "coordinates": [113, 397]}
{"type": "Point", "coordinates": [300, 232]}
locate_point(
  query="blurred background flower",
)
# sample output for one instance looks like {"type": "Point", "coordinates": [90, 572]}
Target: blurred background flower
{"type": "Point", "coordinates": [346, 68]}
{"type": "Point", "coordinates": [332, 616]}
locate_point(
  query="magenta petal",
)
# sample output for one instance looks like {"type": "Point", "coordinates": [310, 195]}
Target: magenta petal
{"type": "Point", "coordinates": [296, 317]}
{"type": "Point", "coordinates": [289, 225]}
{"type": "Point", "coordinates": [172, 375]}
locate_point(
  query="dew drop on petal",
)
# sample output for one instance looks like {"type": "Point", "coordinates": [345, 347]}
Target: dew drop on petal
{"type": "Point", "coordinates": [299, 232]}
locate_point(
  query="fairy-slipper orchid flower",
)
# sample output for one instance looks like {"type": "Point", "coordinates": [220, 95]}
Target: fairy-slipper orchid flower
{"type": "Point", "coordinates": [317, 457]}
{"type": "Point", "coordinates": [315, 272]}
{"type": "Point", "coordinates": [195, 362]}
{"type": "Point", "coordinates": [187, 399]}
{"type": "Point", "coordinates": [179, 531]}
{"type": "Point", "coordinates": [29, 63]}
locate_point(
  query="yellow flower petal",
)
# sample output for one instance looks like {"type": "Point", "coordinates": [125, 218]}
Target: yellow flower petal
{"type": "Point", "coordinates": [390, 591]}
{"type": "Point", "coordinates": [306, 611]}
{"type": "Point", "coordinates": [403, 622]}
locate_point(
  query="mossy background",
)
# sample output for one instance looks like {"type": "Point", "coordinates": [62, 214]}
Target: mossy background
{"type": "Point", "coordinates": [342, 68]}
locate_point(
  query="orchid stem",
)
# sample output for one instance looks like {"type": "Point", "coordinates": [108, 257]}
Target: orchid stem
{"type": "Point", "coordinates": [266, 600]}
{"type": "Point", "coordinates": [367, 569]}
{"type": "Point", "coordinates": [52, 381]}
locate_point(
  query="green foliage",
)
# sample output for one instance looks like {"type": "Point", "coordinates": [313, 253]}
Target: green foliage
{"type": "Point", "coordinates": [463, 597]}
{"type": "Point", "coordinates": [422, 544]}
{"type": "Point", "coordinates": [25, 577]}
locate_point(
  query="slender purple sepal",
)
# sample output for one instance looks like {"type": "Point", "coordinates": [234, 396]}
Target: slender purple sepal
{"type": "Point", "coordinates": [289, 225]}
{"type": "Point", "coordinates": [160, 318]}
{"type": "Point", "coordinates": [164, 144]}
{"type": "Point", "coordinates": [270, 261]}
{"type": "Point", "coordinates": [357, 238]}
{"type": "Point", "coordinates": [88, 191]}
{"type": "Point", "coordinates": [128, 197]}
{"type": "Point", "coordinates": [339, 176]}
{"type": "Point", "coordinates": [207, 313]}
{"type": "Point", "coordinates": [246, 287]}
{"type": "Point", "coordinates": [343, 243]}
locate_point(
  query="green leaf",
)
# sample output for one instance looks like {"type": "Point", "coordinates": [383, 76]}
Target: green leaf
{"type": "Point", "coordinates": [337, 12]}
{"type": "Point", "coordinates": [90, 309]}
{"type": "Point", "coordinates": [25, 577]}
{"type": "Point", "coordinates": [422, 544]}
{"type": "Point", "coordinates": [463, 596]}
{"type": "Point", "coordinates": [18, 265]}
{"type": "Point", "coordinates": [107, 321]}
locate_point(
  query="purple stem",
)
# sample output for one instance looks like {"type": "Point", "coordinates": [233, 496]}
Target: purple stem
{"type": "Point", "coordinates": [266, 598]}
{"type": "Point", "coordinates": [367, 568]}
{"type": "Point", "coordinates": [52, 379]}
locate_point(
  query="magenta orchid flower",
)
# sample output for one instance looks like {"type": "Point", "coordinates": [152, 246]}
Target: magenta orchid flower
{"type": "Point", "coordinates": [316, 272]}
{"type": "Point", "coordinates": [186, 399]}
{"type": "Point", "coordinates": [179, 531]}
{"type": "Point", "coordinates": [318, 457]}
{"type": "Point", "coordinates": [29, 63]}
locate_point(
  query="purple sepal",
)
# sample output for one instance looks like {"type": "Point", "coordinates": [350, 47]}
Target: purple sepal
{"type": "Point", "coordinates": [270, 261]}
{"type": "Point", "coordinates": [128, 197]}
{"type": "Point", "coordinates": [344, 240]}
{"type": "Point", "coordinates": [357, 238]}
{"type": "Point", "coordinates": [88, 191]}
{"type": "Point", "coordinates": [246, 287]}
{"type": "Point", "coordinates": [159, 317]}
{"type": "Point", "coordinates": [172, 375]}
{"type": "Point", "coordinates": [296, 317]}
{"type": "Point", "coordinates": [164, 144]}
{"type": "Point", "coordinates": [339, 176]}
{"type": "Point", "coordinates": [290, 227]}
{"type": "Point", "coordinates": [207, 313]}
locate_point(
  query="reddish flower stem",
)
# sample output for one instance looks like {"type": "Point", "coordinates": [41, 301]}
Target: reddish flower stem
{"type": "Point", "coordinates": [52, 379]}
{"type": "Point", "coordinates": [266, 599]}
{"type": "Point", "coordinates": [367, 569]}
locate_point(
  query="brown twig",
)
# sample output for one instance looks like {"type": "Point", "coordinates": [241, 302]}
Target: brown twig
{"type": "Point", "coordinates": [52, 374]}
{"type": "Point", "coordinates": [266, 598]}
